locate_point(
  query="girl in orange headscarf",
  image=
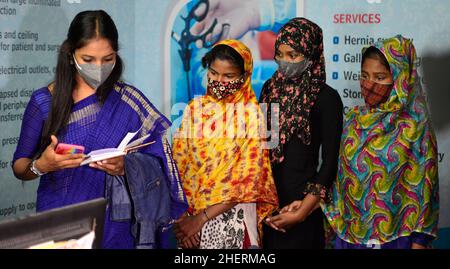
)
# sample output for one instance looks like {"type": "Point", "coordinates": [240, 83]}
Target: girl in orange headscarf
{"type": "Point", "coordinates": [218, 149]}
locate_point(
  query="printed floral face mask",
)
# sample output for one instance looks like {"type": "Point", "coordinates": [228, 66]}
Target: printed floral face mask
{"type": "Point", "coordinates": [221, 90]}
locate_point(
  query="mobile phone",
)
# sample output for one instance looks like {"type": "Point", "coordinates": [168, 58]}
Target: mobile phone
{"type": "Point", "coordinates": [63, 148]}
{"type": "Point", "coordinates": [275, 212]}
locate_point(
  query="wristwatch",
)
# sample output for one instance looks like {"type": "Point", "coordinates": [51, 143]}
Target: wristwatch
{"type": "Point", "coordinates": [35, 170]}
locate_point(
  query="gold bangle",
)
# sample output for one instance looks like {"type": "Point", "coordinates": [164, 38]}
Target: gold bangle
{"type": "Point", "coordinates": [206, 215]}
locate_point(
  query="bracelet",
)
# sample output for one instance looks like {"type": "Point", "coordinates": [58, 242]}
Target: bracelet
{"type": "Point", "coordinates": [34, 169]}
{"type": "Point", "coordinates": [206, 215]}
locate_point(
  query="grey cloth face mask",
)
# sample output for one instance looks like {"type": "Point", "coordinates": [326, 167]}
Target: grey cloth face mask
{"type": "Point", "coordinates": [94, 75]}
{"type": "Point", "coordinates": [292, 70]}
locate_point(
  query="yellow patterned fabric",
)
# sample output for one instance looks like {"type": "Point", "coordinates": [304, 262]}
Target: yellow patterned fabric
{"type": "Point", "coordinates": [219, 151]}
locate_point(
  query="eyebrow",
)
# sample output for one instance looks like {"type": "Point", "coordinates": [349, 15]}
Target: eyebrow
{"type": "Point", "coordinates": [232, 73]}
{"type": "Point", "coordinates": [288, 51]}
{"type": "Point", "coordinates": [381, 73]}
{"type": "Point", "coordinates": [291, 53]}
{"type": "Point", "coordinates": [109, 55]}
{"type": "Point", "coordinates": [376, 73]}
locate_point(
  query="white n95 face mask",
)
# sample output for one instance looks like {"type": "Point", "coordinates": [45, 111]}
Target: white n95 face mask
{"type": "Point", "coordinates": [94, 75]}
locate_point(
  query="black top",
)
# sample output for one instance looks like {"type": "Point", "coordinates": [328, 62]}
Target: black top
{"type": "Point", "coordinates": [297, 175]}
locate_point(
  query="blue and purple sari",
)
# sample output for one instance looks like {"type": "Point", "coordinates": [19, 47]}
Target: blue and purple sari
{"type": "Point", "coordinates": [97, 125]}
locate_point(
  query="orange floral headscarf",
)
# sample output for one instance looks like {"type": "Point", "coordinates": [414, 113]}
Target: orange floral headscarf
{"type": "Point", "coordinates": [219, 152]}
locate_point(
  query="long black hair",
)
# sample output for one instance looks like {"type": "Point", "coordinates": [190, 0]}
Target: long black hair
{"type": "Point", "coordinates": [224, 52]}
{"type": "Point", "coordinates": [86, 26]}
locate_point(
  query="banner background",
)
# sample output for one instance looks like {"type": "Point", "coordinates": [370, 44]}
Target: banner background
{"type": "Point", "coordinates": [153, 64]}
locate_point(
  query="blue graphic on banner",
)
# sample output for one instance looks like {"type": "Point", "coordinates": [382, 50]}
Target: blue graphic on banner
{"type": "Point", "coordinates": [188, 48]}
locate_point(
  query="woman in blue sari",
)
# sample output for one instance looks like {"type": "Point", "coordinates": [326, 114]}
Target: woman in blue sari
{"type": "Point", "coordinates": [89, 105]}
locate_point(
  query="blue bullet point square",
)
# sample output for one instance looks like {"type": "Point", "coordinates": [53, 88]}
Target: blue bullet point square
{"type": "Point", "coordinates": [335, 75]}
{"type": "Point", "coordinates": [335, 58]}
{"type": "Point", "coordinates": [336, 40]}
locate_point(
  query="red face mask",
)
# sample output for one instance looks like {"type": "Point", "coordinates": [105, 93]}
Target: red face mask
{"type": "Point", "coordinates": [221, 90]}
{"type": "Point", "coordinates": [375, 93]}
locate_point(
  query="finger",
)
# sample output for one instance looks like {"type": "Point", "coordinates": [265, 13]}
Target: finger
{"type": "Point", "coordinates": [106, 162]}
{"type": "Point", "coordinates": [93, 165]}
{"type": "Point", "coordinates": [113, 160]}
{"type": "Point", "coordinates": [270, 224]}
{"type": "Point", "coordinates": [182, 244]}
{"type": "Point", "coordinates": [96, 166]}
{"type": "Point", "coordinates": [220, 30]}
{"type": "Point", "coordinates": [70, 166]}
{"type": "Point", "coordinates": [284, 209]}
{"type": "Point", "coordinates": [195, 242]}
{"type": "Point", "coordinates": [54, 141]}
{"type": "Point", "coordinates": [64, 157]}
{"type": "Point", "coordinates": [298, 204]}
{"type": "Point", "coordinates": [113, 167]}
{"type": "Point", "coordinates": [235, 32]}
{"type": "Point", "coordinates": [71, 163]}
{"type": "Point", "coordinates": [192, 242]}
{"type": "Point", "coordinates": [187, 242]}
{"type": "Point", "coordinates": [293, 206]}
{"type": "Point", "coordinates": [197, 238]}
{"type": "Point", "coordinates": [274, 226]}
{"type": "Point", "coordinates": [77, 156]}
{"type": "Point", "coordinates": [280, 223]}
{"type": "Point", "coordinates": [290, 208]}
{"type": "Point", "coordinates": [109, 167]}
{"type": "Point", "coordinates": [276, 218]}
{"type": "Point", "coordinates": [199, 26]}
